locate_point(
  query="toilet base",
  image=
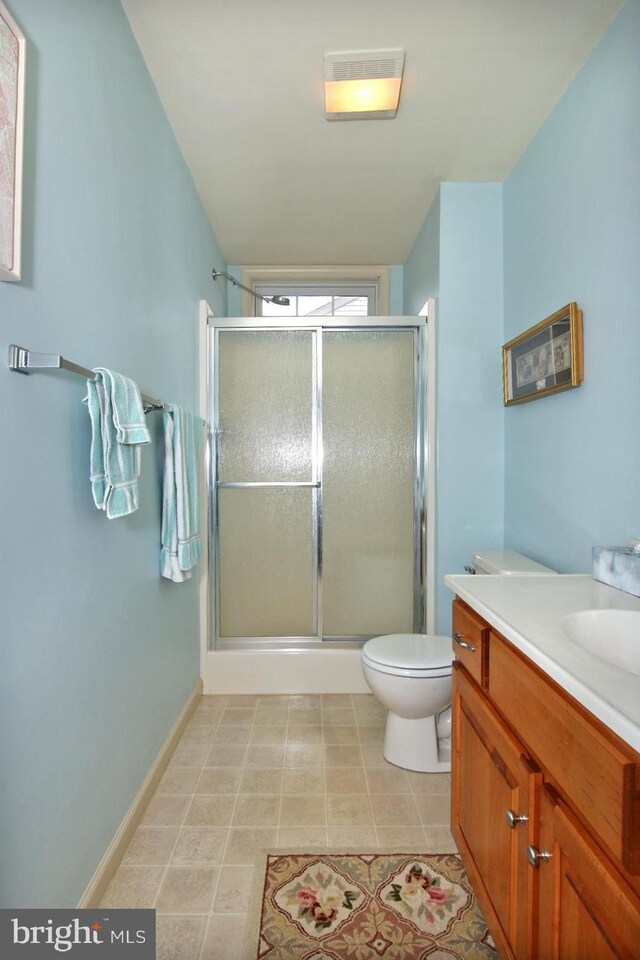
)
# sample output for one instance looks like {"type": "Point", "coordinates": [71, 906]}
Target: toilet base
{"type": "Point", "coordinates": [413, 745]}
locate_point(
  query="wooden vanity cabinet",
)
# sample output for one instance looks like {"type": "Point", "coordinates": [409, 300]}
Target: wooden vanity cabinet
{"type": "Point", "coordinates": [495, 792]}
{"type": "Point", "coordinates": [545, 805]}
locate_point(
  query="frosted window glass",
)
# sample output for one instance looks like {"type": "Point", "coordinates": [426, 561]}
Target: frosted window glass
{"type": "Point", "coordinates": [266, 566]}
{"type": "Point", "coordinates": [368, 482]}
{"type": "Point", "coordinates": [265, 399]}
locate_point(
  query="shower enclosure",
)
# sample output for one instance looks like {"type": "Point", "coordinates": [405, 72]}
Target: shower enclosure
{"type": "Point", "coordinates": [317, 480]}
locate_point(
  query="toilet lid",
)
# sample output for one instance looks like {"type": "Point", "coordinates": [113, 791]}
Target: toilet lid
{"type": "Point", "coordinates": [410, 651]}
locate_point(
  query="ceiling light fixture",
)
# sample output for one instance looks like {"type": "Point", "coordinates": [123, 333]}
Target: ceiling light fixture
{"type": "Point", "coordinates": [362, 85]}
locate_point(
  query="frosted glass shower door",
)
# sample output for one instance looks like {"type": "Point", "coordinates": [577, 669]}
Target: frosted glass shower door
{"type": "Point", "coordinates": [318, 482]}
{"type": "Point", "coordinates": [267, 484]}
{"type": "Point", "coordinates": [368, 482]}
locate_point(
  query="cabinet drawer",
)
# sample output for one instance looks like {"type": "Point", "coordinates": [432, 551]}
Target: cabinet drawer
{"type": "Point", "coordinates": [594, 770]}
{"type": "Point", "coordinates": [471, 642]}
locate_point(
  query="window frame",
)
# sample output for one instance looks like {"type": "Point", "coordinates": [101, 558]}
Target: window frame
{"type": "Point", "coordinates": [326, 279]}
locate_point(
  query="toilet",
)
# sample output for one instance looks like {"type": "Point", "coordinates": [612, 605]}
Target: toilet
{"type": "Point", "coordinates": [506, 563]}
{"type": "Point", "coordinates": [410, 674]}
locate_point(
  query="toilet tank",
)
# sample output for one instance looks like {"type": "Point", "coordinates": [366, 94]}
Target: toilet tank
{"type": "Point", "coordinates": [506, 563]}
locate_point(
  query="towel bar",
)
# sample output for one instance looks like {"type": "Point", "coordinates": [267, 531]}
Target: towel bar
{"type": "Point", "coordinates": [22, 360]}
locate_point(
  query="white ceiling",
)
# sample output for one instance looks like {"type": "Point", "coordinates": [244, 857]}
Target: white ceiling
{"type": "Point", "coordinates": [241, 81]}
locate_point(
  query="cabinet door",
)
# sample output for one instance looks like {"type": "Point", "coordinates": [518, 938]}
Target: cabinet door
{"type": "Point", "coordinates": [494, 813]}
{"type": "Point", "coordinates": [586, 908]}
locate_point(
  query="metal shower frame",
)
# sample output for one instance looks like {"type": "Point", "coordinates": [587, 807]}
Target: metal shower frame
{"type": "Point", "coordinates": [216, 325]}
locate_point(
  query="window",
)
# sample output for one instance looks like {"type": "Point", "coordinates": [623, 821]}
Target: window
{"type": "Point", "coordinates": [317, 291]}
{"type": "Point", "coordinates": [324, 300]}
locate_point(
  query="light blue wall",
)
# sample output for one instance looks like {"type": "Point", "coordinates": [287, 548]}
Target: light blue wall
{"type": "Point", "coordinates": [98, 653]}
{"type": "Point", "coordinates": [572, 232]}
{"type": "Point", "coordinates": [234, 294]}
{"type": "Point", "coordinates": [469, 412]}
{"type": "Point", "coordinates": [458, 258]}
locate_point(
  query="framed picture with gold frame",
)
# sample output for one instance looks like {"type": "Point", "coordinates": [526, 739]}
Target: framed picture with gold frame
{"type": "Point", "coordinates": [545, 359]}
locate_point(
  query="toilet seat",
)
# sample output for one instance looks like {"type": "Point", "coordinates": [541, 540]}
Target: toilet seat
{"type": "Point", "coordinates": [409, 655]}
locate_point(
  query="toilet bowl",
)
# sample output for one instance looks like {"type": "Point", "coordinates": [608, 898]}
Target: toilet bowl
{"type": "Point", "coordinates": [410, 674]}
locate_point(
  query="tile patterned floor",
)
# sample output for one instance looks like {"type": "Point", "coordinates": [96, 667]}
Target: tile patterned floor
{"type": "Point", "coordinates": [267, 771]}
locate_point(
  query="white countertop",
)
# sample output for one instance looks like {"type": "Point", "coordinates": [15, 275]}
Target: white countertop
{"type": "Point", "coordinates": [528, 611]}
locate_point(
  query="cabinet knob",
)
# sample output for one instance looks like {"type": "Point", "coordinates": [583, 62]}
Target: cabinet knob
{"type": "Point", "coordinates": [457, 638]}
{"type": "Point", "coordinates": [513, 819]}
{"type": "Point", "coordinates": [536, 857]}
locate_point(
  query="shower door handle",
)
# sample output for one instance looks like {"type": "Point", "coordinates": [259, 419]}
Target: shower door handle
{"type": "Point", "coordinates": [269, 483]}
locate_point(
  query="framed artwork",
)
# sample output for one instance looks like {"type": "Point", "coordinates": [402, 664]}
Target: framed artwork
{"type": "Point", "coordinates": [12, 52]}
{"type": "Point", "coordinates": [545, 359]}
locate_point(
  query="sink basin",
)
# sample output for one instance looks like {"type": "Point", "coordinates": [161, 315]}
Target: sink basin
{"type": "Point", "coordinates": [610, 635]}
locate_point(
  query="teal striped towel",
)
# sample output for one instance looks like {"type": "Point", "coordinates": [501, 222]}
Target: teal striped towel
{"type": "Point", "coordinates": [180, 510]}
{"type": "Point", "coordinates": [117, 430]}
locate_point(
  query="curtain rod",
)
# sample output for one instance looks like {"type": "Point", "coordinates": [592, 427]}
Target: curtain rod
{"type": "Point", "coordinates": [22, 360]}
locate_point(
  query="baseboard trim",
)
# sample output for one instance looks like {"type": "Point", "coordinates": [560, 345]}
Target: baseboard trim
{"type": "Point", "coordinates": [115, 851]}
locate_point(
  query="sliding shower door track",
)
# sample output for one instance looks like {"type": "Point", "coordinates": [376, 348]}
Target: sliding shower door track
{"type": "Point", "coordinates": [290, 644]}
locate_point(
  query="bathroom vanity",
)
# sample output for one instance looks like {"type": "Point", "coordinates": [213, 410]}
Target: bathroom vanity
{"type": "Point", "coordinates": [546, 768]}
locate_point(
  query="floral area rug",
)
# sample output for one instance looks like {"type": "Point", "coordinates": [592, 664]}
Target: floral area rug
{"type": "Point", "coordinates": [347, 906]}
